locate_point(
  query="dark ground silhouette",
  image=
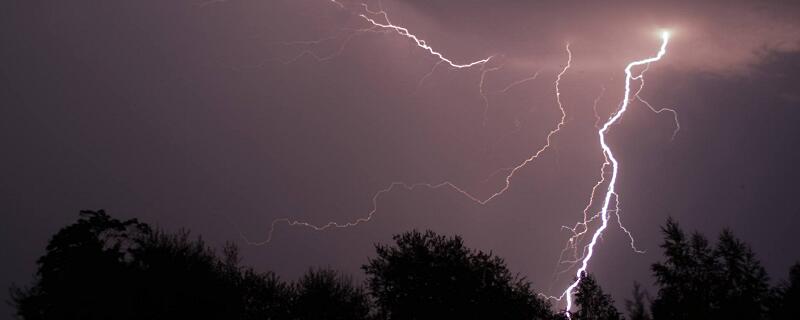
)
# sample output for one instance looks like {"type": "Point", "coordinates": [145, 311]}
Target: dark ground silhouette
{"type": "Point", "coordinates": [425, 275]}
{"type": "Point", "coordinates": [103, 268]}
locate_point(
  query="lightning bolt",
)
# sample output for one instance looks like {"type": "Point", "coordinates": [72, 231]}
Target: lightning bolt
{"type": "Point", "coordinates": [594, 107]}
{"type": "Point", "coordinates": [378, 22]}
{"type": "Point", "coordinates": [385, 25]}
{"type": "Point", "coordinates": [442, 59]}
{"type": "Point", "coordinates": [421, 43]}
{"type": "Point", "coordinates": [446, 184]}
{"type": "Point", "coordinates": [612, 161]}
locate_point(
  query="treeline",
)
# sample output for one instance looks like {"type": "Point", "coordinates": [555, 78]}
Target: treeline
{"type": "Point", "coordinates": [103, 268]}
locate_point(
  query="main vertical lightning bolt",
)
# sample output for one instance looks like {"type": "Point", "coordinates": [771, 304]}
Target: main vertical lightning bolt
{"type": "Point", "coordinates": [609, 156]}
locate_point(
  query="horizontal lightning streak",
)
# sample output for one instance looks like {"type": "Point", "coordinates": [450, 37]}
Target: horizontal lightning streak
{"type": "Point", "coordinates": [512, 171]}
{"type": "Point", "coordinates": [519, 82]}
{"type": "Point", "coordinates": [387, 26]}
{"type": "Point", "coordinates": [422, 44]}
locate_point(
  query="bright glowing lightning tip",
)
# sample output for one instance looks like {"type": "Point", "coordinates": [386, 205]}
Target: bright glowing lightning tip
{"type": "Point", "coordinates": [665, 34]}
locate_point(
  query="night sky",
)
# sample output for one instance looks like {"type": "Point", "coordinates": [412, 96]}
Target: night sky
{"type": "Point", "coordinates": [208, 116]}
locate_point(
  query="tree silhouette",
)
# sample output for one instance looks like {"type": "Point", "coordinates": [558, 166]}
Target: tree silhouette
{"type": "Point", "coordinates": [324, 294]}
{"type": "Point", "coordinates": [592, 302]}
{"type": "Point", "coordinates": [698, 282]}
{"type": "Point", "coordinates": [103, 268]}
{"type": "Point", "coordinates": [428, 276]}
{"type": "Point", "coordinates": [637, 310]}
{"type": "Point", "coordinates": [84, 273]}
{"type": "Point", "coordinates": [182, 278]}
{"type": "Point", "coordinates": [687, 278]}
{"type": "Point", "coordinates": [264, 296]}
{"type": "Point", "coordinates": [743, 287]}
{"type": "Point", "coordinates": [786, 304]}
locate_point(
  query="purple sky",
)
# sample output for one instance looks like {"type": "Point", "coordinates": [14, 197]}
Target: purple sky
{"type": "Point", "coordinates": [184, 115]}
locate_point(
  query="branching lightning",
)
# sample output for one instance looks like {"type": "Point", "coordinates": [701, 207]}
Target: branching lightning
{"type": "Point", "coordinates": [594, 108]}
{"type": "Point", "coordinates": [421, 43]}
{"type": "Point", "coordinates": [610, 159]}
{"type": "Point", "coordinates": [376, 26]}
{"type": "Point", "coordinates": [573, 253]}
{"type": "Point", "coordinates": [511, 171]}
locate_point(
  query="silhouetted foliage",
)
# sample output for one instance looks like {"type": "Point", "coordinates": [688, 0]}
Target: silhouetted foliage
{"type": "Point", "coordinates": [103, 268]}
{"type": "Point", "coordinates": [698, 282]}
{"type": "Point", "coordinates": [685, 277]}
{"type": "Point", "coordinates": [428, 276]}
{"type": "Point", "coordinates": [786, 304]}
{"type": "Point", "coordinates": [85, 272]}
{"type": "Point", "coordinates": [637, 309]}
{"type": "Point", "coordinates": [182, 278]}
{"type": "Point", "coordinates": [264, 296]}
{"type": "Point", "coordinates": [592, 302]}
{"type": "Point", "coordinates": [743, 290]}
{"type": "Point", "coordinates": [326, 295]}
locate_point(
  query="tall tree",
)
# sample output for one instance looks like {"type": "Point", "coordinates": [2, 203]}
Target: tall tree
{"type": "Point", "coordinates": [687, 278]}
{"type": "Point", "coordinates": [428, 276]}
{"type": "Point", "coordinates": [743, 290]}
{"type": "Point", "coordinates": [592, 302]}
{"type": "Point", "coordinates": [700, 282]}
{"type": "Point", "coordinates": [637, 309]}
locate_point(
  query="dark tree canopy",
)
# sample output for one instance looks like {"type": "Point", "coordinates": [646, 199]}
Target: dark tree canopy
{"type": "Point", "coordinates": [592, 302]}
{"type": "Point", "coordinates": [103, 268]}
{"type": "Point", "coordinates": [85, 272]}
{"type": "Point", "coordinates": [178, 277]}
{"type": "Point", "coordinates": [428, 276]}
{"type": "Point", "coordinates": [700, 282]}
{"type": "Point", "coordinates": [684, 278]}
{"type": "Point", "coordinates": [743, 289]}
{"type": "Point", "coordinates": [264, 296]}
{"type": "Point", "coordinates": [325, 294]}
{"type": "Point", "coordinates": [786, 303]}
